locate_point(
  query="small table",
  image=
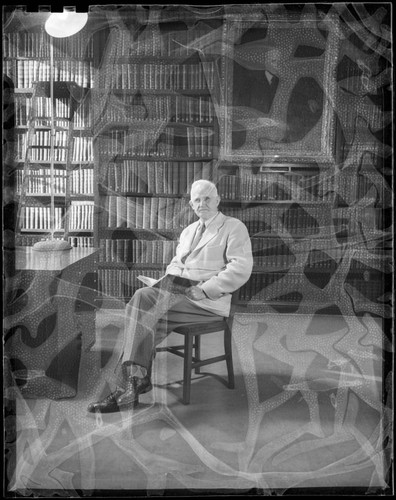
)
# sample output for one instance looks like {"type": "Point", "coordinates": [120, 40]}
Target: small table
{"type": "Point", "coordinates": [50, 319]}
{"type": "Point", "coordinates": [29, 259]}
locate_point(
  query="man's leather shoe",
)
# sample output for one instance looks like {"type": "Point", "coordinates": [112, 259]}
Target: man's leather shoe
{"type": "Point", "coordinates": [106, 405]}
{"type": "Point", "coordinates": [134, 387]}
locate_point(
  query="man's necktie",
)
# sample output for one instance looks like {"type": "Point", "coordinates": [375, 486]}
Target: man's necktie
{"type": "Point", "coordinates": [198, 235]}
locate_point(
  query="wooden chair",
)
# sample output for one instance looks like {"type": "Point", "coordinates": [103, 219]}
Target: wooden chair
{"type": "Point", "coordinates": [190, 350]}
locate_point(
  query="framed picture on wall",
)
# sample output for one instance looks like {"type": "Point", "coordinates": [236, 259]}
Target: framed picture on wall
{"type": "Point", "coordinates": [280, 92]}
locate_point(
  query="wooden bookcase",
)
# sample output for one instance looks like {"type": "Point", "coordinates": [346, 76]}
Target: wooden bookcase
{"type": "Point", "coordinates": [156, 131]}
{"type": "Point", "coordinates": [27, 64]}
{"type": "Point", "coordinates": [300, 234]}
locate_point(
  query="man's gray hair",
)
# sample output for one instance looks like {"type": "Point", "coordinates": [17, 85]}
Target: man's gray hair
{"type": "Point", "coordinates": [203, 182]}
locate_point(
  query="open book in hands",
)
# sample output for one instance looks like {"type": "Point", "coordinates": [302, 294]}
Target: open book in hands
{"type": "Point", "coordinates": [169, 282]}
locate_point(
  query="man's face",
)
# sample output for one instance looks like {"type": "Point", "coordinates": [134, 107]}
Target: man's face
{"type": "Point", "coordinates": [204, 201]}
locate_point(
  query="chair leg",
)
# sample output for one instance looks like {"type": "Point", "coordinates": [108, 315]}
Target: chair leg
{"type": "Point", "coordinates": [198, 352]}
{"type": "Point", "coordinates": [188, 348]}
{"type": "Point", "coordinates": [228, 352]}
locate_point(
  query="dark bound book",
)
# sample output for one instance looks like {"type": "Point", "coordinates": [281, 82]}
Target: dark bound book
{"type": "Point", "coordinates": [175, 284]}
{"type": "Point", "coordinates": [170, 283]}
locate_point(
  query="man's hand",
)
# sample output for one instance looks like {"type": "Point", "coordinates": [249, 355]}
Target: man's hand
{"type": "Point", "coordinates": [195, 293]}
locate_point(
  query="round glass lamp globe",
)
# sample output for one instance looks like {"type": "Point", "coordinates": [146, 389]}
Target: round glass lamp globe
{"type": "Point", "coordinates": [64, 24]}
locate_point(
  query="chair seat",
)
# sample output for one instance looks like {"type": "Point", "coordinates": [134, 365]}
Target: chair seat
{"type": "Point", "coordinates": [201, 328]}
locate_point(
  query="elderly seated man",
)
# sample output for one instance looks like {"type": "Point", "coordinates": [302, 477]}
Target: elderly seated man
{"type": "Point", "coordinates": [214, 258]}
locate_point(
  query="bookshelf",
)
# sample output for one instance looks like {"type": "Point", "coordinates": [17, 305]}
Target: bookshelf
{"type": "Point", "coordinates": [156, 131]}
{"type": "Point", "coordinates": [27, 64]}
{"type": "Point", "coordinates": [302, 232]}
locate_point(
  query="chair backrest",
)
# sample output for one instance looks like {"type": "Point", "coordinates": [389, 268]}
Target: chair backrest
{"type": "Point", "coordinates": [234, 303]}
{"type": "Point", "coordinates": [234, 297]}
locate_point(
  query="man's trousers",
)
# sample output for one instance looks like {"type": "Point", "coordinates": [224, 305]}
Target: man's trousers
{"type": "Point", "coordinates": [150, 316]}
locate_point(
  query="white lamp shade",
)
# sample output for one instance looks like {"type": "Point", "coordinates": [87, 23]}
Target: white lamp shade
{"type": "Point", "coordinates": [64, 24]}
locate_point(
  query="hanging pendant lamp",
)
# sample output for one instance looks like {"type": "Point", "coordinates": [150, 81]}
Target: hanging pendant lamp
{"type": "Point", "coordinates": [66, 23]}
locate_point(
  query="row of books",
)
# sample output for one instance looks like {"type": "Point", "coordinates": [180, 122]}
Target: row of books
{"type": "Point", "coordinates": [81, 216]}
{"type": "Point", "coordinates": [41, 141]}
{"type": "Point", "coordinates": [41, 152]}
{"type": "Point", "coordinates": [367, 261]}
{"type": "Point", "coordinates": [24, 72]}
{"type": "Point", "coordinates": [174, 177]}
{"type": "Point", "coordinates": [151, 42]}
{"type": "Point", "coordinates": [260, 298]}
{"type": "Point", "coordinates": [173, 213]}
{"type": "Point", "coordinates": [358, 185]}
{"type": "Point", "coordinates": [81, 241]}
{"type": "Point", "coordinates": [365, 184]}
{"type": "Point", "coordinates": [373, 289]}
{"type": "Point", "coordinates": [137, 251]}
{"type": "Point", "coordinates": [24, 44]}
{"type": "Point", "coordinates": [274, 186]}
{"type": "Point", "coordinates": [157, 177]}
{"type": "Point", "coordinates": [43, 108]}
{"type": "Point", "coordinates": [349, 182]}
{"type": "Point", "coordinates": [122, 283]}
{"type": "Point", "coordinates": [267, 253]}
{"type": "Point", "coordinates": [278, 220]}
{"type": "Point", "coordinates": [147, 213]}
{"type": "Point", "coordinates": [318, 259]}
{"type": "Point", "coordinates": [257, 289]}
{"type": "Point", "coordinates": [38, 181]}
{"type": "Point", "coordinates": [162, 251]}
{"type": "Point", "coordinates": [271, 287]}
{"type": "Point", "coordinates": [270, 254]}
{"type": "Point", "coordinates": [362, 260]}
{"type": "Point", "coordinates": [83, 149]}
{"type": "Point", "coordinates": [39, 218]}
{"type": "Point", "coordinates": [169, 108]}
{"type": "Point", "coordinates": [194, 142]}
{"type": "Point", "coordinates": [82, 181]}
{"type": "Point", "coordinates": [159, 76]}
{"type": "Point", "coordinates": [357, 218]}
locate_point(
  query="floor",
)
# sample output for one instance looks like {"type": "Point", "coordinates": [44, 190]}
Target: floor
{"type": "Point", "coordinates": [306, 412]}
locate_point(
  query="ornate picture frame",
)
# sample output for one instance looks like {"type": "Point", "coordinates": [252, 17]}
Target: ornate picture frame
{"type": "Point", "coordinates": [280, 72]}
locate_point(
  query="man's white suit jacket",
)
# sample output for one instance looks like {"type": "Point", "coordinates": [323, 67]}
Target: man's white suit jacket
{"type": "Point", "coordinates": [222, 261]}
